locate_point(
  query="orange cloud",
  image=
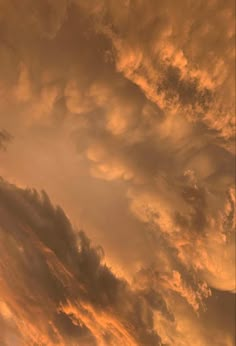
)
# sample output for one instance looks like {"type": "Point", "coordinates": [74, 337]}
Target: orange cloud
{"type": "Point", "coordinates": [123, 111]}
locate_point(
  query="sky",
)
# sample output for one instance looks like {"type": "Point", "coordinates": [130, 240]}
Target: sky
{"type": "Point", "coordinates": [117, 173]}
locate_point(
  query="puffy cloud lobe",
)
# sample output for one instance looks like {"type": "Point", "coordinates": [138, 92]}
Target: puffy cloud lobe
{"type": "Point", "coordinates": [172, 182]}
{"type": "Point", "coordinates": [50, 272]}
{"type": "Point", "coordinates": [183, 66]}
{"type": "Point", "coordinates": [155, 113]}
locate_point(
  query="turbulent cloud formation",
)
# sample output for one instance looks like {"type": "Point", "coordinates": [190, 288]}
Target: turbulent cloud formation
{"type": "Point", "coordinates": [124, 113]}
{"type": "Point", "coordinates": [49, 271]}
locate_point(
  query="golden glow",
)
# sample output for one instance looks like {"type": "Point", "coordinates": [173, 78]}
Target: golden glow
{"type": "Point", "coordinates": [123, 112]}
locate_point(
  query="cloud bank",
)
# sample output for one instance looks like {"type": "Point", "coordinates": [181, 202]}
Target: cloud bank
{"type": "Point", "coordinates": [53, 273]}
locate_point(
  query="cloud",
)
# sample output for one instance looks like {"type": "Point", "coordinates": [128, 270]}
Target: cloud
{"type": "Point", "coordinates": [5, 137]}
{"type": "Point", "coordinates": [49, 269]}
{"type": "Point", "coordinates": [177, 73]}
{"type": "Point", "coordinates": [183, 79]}
{"type": "Point", "coordinates": [124, 113]}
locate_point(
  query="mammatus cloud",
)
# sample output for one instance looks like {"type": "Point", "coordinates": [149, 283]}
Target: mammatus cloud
{"type": "Point", "coordinates": [123, 111]}
{"type": "Point", "coordinates": [171, 157]}
{"type": "Point", "coordinates": [50, 271]}
{"type": "Point", "coordinates": [182, 67]}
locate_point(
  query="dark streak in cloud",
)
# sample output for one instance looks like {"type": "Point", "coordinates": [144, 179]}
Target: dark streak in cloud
{"type": "Point", "coordinates": [188, 91]}
{"type": "Point", "coordinates": [50, 266]}
{"type": "Point", "coordinates": [5, 138]}
{"type": "Point", "coordinates": [124, 112]}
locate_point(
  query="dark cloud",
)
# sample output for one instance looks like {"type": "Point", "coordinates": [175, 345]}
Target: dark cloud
{"type": "Point", "coordinates": [183, 66]}
{"type": "Point", "coordinates": [5, 138]}
{"type": "Point", "coordinates": [50, 266]}
{"type": "Point", "coordinates": [123, 111]}
{"type": "Point", "coordinates": [187, 91]}
{"type": "Point", "coordinates": [226, 303]}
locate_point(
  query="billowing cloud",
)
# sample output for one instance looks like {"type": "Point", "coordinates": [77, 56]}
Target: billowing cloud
{"type": "Point", "coordinates": [52, 273]}
{"type": "Point", "coordinates": [183, 66]}
{"type": "Point", "coordinates": [123, 111]}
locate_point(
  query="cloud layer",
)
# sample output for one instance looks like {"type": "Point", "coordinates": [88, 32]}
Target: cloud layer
{"type": "Point", "coordinates": [53, 273]}
{"type": "Point", "coordinates": [123, 112]}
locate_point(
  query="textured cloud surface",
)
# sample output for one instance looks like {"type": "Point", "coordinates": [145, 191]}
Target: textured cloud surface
{"type": "Point", "coordinates": [124, 113]}
{"type": "Point", "coordinates": [50, 272]}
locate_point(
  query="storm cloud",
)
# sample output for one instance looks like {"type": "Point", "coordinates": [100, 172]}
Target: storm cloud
{"type": "Point", "coordinates": [51, 272]}
{"type": "Point", "coordinates": [124, 113]}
